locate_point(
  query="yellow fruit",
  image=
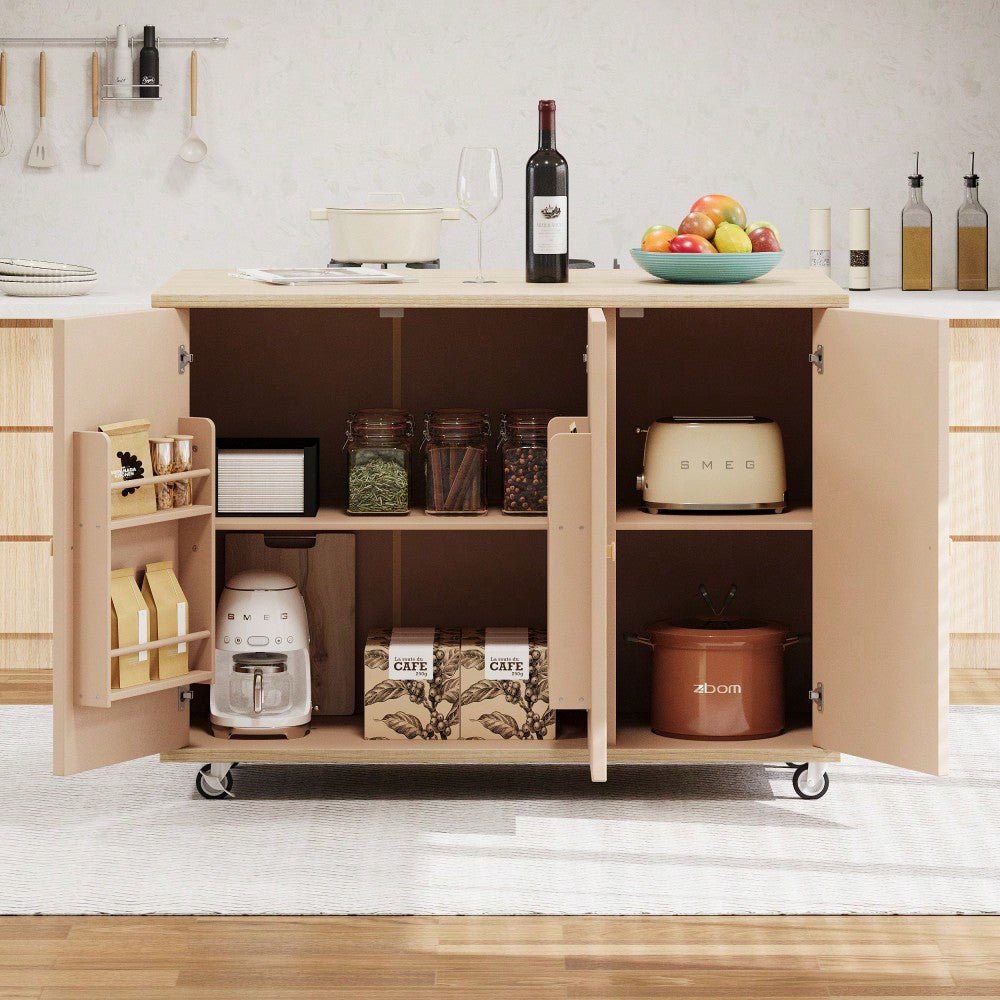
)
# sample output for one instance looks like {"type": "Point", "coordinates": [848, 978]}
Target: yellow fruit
{"type": "Point", "coordinates": [730, 238]}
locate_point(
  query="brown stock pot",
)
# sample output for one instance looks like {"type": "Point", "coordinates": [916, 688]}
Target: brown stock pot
{"type": "Point", "coordinates": [717, 679]}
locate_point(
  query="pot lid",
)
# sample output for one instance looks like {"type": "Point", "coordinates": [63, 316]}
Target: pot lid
{"type": "Point", "coordinates": [745, 629]}
{"type": "Point", "coordinates": [385, 209]}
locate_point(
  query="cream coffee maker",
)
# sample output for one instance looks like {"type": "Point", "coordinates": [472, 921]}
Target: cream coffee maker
{"type": "Point", "coordinates": [262, 680]}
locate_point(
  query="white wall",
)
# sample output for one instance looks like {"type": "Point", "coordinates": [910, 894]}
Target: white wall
{"type": "Point", "coordinates": [785, 105]}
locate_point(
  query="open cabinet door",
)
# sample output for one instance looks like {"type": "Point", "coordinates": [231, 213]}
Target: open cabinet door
{"type": "Point", "coordinates": [107, 369]}
{"type": "Point", "coordinates": [880, 538]}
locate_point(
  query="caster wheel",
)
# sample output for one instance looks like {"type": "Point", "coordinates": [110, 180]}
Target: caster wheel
{"type": "Point", "coordinates": [208, 787]}
{"type": "Point", "coordinates": [805, 790]}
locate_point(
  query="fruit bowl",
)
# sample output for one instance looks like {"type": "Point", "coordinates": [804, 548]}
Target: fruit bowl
{"type": "Point", "coordinates": [707, 268]}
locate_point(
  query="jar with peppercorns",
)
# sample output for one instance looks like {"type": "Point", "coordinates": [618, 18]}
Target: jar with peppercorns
{"type": "Point", "coordinates": [524, 447]}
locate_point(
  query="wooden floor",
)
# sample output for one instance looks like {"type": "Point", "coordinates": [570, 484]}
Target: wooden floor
{"type": "Point", "coordinates": [473, 958]}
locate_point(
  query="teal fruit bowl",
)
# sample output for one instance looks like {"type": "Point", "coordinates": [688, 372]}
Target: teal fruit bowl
{"type": "Point", "coordinates": [707, 268]}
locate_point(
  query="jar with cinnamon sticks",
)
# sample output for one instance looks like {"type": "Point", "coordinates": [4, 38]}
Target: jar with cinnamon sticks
{"type": "Point", "coordinates": [455, 445]}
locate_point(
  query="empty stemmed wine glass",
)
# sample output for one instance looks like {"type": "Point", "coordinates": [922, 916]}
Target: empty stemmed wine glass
{"type": "Point", "coordinates": [480, 190]}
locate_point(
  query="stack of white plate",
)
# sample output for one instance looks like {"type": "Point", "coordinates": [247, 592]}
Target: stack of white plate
{"type": "Point", "coordinates": [45, 278]}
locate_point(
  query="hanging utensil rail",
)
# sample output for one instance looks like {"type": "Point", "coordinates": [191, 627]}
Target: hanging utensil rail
{"type": "Point", "coordinates": [216, 40]}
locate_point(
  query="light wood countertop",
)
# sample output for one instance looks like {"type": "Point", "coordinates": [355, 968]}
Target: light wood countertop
{"type": "Point", "coordinates": [631, 288]}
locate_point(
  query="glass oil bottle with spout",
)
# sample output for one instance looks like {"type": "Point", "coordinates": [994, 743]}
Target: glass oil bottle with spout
{"type": "Point", "coordinates": [973, 237]}
{"type": "Point", "coordinates": [917, 253]}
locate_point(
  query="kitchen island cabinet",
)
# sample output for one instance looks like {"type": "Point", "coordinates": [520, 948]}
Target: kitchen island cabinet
{"type": "Point", "coordinates": [859, 561]}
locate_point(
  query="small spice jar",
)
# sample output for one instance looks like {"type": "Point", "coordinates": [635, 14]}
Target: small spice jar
{"type": "Point", "coordinates": [182, 463]}
{"type": "Point", "coordinates": [162, 454]}
{"type": "Point", "coordinates": [378, 462]}
{"type": "Point", "coordinates": [455, 442]}
{"type": "Point", "coordinates": [524, 447]}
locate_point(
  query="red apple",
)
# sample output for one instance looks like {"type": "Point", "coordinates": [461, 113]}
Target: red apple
{"type": "Point", "coordinates": [697, 224]}
{"type": "Point", "coordinates": [764, 240]}
{"type": "Point", "coordinates": [690, 243]}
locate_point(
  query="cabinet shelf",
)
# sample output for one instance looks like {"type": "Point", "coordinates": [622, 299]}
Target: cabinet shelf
{"type": "Point", "coordinates": [337, 519]}
{"type": "Point", "coordinates": [167, 684]}
{"type": "Point", "coordinates": [162, 516]}
{"type": "Point", "coordinates": [633, 519]}
{"type": "Point", "coordinates": [341, 740]}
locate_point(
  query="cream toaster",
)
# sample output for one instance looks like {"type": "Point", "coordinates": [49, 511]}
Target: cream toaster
{"type": "Point", "coordinates": [712, 464]}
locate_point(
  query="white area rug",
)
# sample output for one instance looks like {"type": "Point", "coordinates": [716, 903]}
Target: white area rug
{"type": "Point", "coordinates": [671, 840]}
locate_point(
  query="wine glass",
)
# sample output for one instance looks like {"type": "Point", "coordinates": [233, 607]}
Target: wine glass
{"type": "Point", "coordinates": [480, 190]}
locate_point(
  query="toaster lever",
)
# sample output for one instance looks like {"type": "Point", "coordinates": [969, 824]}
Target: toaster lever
{"type": "Point", "coordinates": [816, 358]}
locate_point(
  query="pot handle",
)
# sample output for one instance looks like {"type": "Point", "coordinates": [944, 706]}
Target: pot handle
{"type": "Point", "coordinates": [790, 640]}
{"type": "Point", "coordinates": [318, 215]}
{"type": "Point", "coordinates": [638, 639]}
{"type": "Point", "coordinates": [450, 214]}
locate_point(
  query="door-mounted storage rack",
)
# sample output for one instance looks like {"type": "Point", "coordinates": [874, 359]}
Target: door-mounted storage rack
{"type": "Point", "coordinates": [185, 535]}
{"type": "Point", "coordinates": [107, 84]}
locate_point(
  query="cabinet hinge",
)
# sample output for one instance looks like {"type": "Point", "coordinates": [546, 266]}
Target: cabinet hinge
{"type": "Point", "coordinates": [184, 358]}
{"type": "Point", "coordinates": [184, 695]}
{"type": "Point", "coordinates": [817, 359]}
{"type": "Point", "coordinates": [816, 696]}
{"type": "Point", "coordinates": [611, 552]}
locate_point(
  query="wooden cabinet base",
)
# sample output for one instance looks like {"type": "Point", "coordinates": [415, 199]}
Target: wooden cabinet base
{"type": "Point", "coordinates": [25, 687]}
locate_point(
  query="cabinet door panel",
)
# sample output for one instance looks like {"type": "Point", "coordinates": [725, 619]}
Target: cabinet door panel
{"type": "Point", "coordinates": [108, 368]}
{"type": "Point", "coordinates": [26, 496]}
{"type": "Point", "coordinates": [26, 373]}
{"type": "Point", "coordinates": [975, 483]}
{"type": "Point", "coordinates": [975, 373]}
{"type": "Point", "coordinates": [26, 592]}
{"type": "Point", "coordinates": [880, 538]}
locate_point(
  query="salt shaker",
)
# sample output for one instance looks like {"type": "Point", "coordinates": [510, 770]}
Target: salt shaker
{"type": "Point", "coordinates": [162, 450]}
{"type": "Point", "coordinates": [182, 463]}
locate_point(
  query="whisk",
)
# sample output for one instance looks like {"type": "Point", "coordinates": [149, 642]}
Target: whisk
{"type": "Point", "coordinates": [6, 138]}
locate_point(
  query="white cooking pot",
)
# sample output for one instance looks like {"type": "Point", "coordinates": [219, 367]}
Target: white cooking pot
{"type": "Point", "coordinates": [390, 234]}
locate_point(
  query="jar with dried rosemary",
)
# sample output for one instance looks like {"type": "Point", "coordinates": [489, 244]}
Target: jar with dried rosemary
{"type": "Point", "coordinates": [378, 461]}
{"type": "Point", "coordinates": [455, 444]}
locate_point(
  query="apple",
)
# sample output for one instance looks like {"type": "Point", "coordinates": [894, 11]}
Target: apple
{"type": "Point", "coordinates": [763, 239]}
{"type": "Point", "coordinates": [697, 224]}
{"type": "Point", "coordinates": [721, 208]}
{"type": "Point", "coordinates": [764, 225]}
{"type": "Point", "coordinates": [691, 243]}
{"type": "Point", "coordinates": [730, 238]}
{"type": "Point", "coordinates": [657, 239]}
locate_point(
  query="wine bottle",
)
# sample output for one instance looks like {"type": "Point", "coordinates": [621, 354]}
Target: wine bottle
{"type": "Point", "coordinates": [547, 204]}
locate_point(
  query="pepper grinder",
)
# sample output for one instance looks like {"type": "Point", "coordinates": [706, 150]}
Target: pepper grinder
{"type": "Point", "coordinates": [859, 236]}
{"type": "Point", "coordinates": [819, 239]}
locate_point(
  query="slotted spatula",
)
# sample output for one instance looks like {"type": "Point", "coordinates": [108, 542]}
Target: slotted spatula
{"type": "Point", "coordinates": [96, 146]}
{"type": "Point", "coordinates": [43, 154]}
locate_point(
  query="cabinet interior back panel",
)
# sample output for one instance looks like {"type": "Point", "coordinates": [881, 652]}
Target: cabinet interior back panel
{"type": "Point", "coordinates": [716, 362]}
{"type": "Point", "coordinates": [291, 373]}
{"type": "Point", "coordinates": [658, 575]}
{"type": "Point", "coordinates": [495, 360]}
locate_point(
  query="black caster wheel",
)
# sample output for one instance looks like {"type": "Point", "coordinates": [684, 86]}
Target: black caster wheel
{"type": "Point", "coordinates": [805, 790]}
{"type": "Point", "coordinates": [211, 789]}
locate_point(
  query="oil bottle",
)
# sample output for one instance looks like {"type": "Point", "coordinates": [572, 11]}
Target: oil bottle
{"type": "Point", "coordinates": [917, 255]}
{"type": "Point", "coordinates": [973, 237]}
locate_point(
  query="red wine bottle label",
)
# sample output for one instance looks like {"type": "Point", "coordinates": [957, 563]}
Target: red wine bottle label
{"type": "Point", "coordinates": [549, 224]}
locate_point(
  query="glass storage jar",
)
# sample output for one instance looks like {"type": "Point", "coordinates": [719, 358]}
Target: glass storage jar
{"type": "Point", "coordinates": [183, 444]}
{"type": "Point", "coordinates": [378, 462]}
{"type": "Point", "coordinates": [455, 442]}
{"type": "Point", "coordinates": [524, 448]}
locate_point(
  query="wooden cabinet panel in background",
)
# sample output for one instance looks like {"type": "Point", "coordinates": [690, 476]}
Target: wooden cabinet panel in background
{"type": "Point", "coordinates": [26, 594]}
{"type": "Point", "coordinates": [25, 373]}
{"type": "Point", "coordinates": [975, 373]}
{"type": "Point", "coordinates": [26, 497]}
{"type": "Point", "coordinates": [974, 483]}
{"type": "Point", "coordinates": [33, 652]}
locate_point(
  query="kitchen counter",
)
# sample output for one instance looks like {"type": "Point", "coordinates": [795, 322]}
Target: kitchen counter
{"type": "Point", "coordinates": [72, 306]}
{"type": "Point", "coordinates": [944, 303]}
{"type": "Point", "coordinates": [631, 288]}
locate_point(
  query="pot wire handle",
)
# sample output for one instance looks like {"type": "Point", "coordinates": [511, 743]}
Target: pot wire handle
{"type": "Point", "coordinates": [638, 639]}
{"type": "Point", "coordinates": [706, 597]}
{"type": "Point", "coordinates": [730, 597]}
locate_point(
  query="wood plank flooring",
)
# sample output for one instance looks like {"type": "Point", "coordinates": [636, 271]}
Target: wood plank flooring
{"type": "Point", "coordinates": [474, 958]}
